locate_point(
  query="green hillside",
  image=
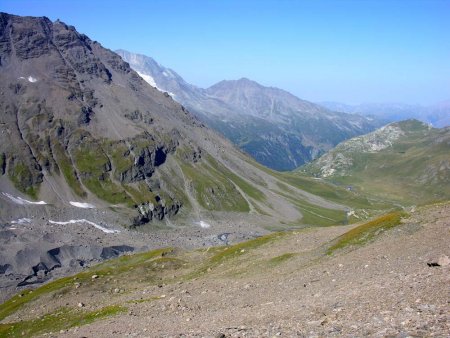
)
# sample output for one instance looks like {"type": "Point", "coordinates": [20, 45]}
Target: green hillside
{"type": "Point", "coordinates": [407, 162]}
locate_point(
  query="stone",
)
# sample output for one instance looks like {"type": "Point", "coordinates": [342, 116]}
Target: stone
{"type": "Point", "coordinates": [443, 260]}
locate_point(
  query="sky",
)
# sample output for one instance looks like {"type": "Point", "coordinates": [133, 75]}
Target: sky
{"type": "Point", "coordinates": [349, 51]}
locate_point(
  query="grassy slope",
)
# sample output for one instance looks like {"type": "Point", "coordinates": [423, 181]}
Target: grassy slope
{"type": "Point", "coordinates": [316, 215]}
{"type": "Point", "coordinates": [367, 231]}
{"type": "Point", "coordinates": [410, 171]}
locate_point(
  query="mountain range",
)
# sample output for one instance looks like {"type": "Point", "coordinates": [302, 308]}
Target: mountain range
{"type": "Point", "coordinates": [438, 115]}
{"type": "Point", "coordinates": [85, 140]}
{"type": "Point", "coordinates": [275, 127]}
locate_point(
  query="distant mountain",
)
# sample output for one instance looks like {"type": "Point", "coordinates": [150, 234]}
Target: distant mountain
{"type": "Point", "coordinates": [438, 115]}
{"type": "Point", "coordinates": [276, 128]}
{"type": "Point", "coordinates": [406, 161]}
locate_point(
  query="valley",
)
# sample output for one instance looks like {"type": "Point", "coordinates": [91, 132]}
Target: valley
{"type": "Point", "coordinates": [133, 203]}
{"type": "Point", "coordinates": [105, 151]}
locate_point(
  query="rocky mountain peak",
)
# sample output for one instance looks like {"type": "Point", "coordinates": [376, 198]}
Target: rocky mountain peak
{"type": "Point", "coordinates": [243, 85]}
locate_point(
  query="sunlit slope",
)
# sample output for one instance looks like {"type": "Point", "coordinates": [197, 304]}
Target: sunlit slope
{"type": "Point", "coordinates": [408, 162]}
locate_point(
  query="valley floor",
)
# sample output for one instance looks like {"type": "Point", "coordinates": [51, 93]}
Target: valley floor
{"type": "Point", "coordinates": [287, 286]}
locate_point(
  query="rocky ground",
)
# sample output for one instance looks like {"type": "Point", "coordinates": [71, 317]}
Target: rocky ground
{"type": "Point", "coordinates": [394, 286]}
{"type": "Point", "coordinates": [34, 249]}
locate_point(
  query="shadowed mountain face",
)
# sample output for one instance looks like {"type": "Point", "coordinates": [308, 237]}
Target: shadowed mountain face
{"type": "Point", "coordinates": [276, 128]}
{"type": "Point", "coordinates": [405, 161]}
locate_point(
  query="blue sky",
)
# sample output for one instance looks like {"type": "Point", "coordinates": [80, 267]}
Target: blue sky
{"type": "Point", "coordinates": [343, 50]}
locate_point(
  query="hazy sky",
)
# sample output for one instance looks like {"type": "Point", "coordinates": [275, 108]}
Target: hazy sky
{"type": "Point", "coordinates": [347, 51]}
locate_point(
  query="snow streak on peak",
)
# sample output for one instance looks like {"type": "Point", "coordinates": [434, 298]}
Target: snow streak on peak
{"type": "Point", "coordinates": [149, 79]}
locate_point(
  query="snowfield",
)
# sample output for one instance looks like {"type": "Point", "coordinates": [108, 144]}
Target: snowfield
{"type": "Point", "coordinates": [82, 205]}
{"type": "Point", "coordinates": [30, 79]}
{"type": "Point", "coordinates": [95, 225]}
{"type": "Point", "coordinates": [22, 201]}
{"type": "Point", "coordinates": [203, 224]}
{"type": "Point", "coordinates": [22, 221]}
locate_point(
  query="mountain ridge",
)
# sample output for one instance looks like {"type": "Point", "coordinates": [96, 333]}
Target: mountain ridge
{"type": "Point", "coordinates": [436, 114]}
{"type": "Point", "coordinates": [276, 128]}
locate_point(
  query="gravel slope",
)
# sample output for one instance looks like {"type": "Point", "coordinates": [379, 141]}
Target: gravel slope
{"type": "Point", "coordinates": [384, 288]}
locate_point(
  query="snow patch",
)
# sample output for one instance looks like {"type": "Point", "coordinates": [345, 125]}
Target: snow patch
{"type": "Point", "coordinates": [32, 79]}
{"type": "Point", "coordinates": [82, 205]}
{"type": "Point", "coordinates": [352, 213]}
{"type": "Point", "coordinates": [22, 221]}
{"type": "Point", "coordinates": [95, 225]}
{"type": "Point", "coordinates": [22, 201]}
{"type": "Point", "coordinates": [203, 224]}
{"type": "Point", "coordinates": [149, 79]}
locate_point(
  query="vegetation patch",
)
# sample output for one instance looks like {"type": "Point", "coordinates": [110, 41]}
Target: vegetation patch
{"type": "Point", "coordinates": [222, 254]}
{"type": "Point", "coordinates": [367, 231]}
{"type": "Point", "coordinates": [139, 263]}
{"type": "Point", "coordinates": [67, 168]}
{"type": "Point", "coordinates": [218, 256]}
{"type": "Point", "coordinates": [62, 319]}
{"type": "Point", "coordinates": [140, 193]}
{"type": "Point", "coordinates": [213, 190]}
{"type": "Point", "coordinates": [108, 191]}
{"type": "Point", "coordinates": [281, 259]}
{"type": "Point", "coordinates": [121, 158]}
{"type": "Point", "coordinates": [144, 300]}
{"type": "Point", "coordinates": [246, 187]}
{"type": "Point", "coordinates": [319, 216]}
{"type": "Point", "coordinates": [330, 191]}
{"type": "Point", "coordinates": [93, 165]}
{"type": "Point", "coordinates": [22, 179]}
